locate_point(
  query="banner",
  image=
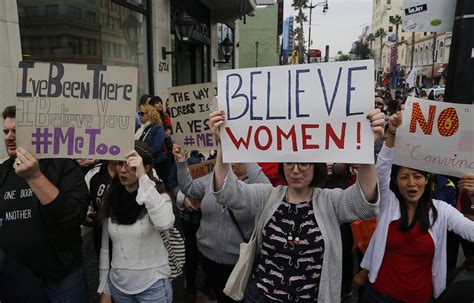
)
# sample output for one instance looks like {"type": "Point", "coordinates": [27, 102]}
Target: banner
{"type": "Point", "coordinates": [76, 111]}
{"type": "Point", "coordinates": [428, 15]}
{"type": "Point", "coordinates": [190, 115]}
{"type": "Point", "coordinates": [299, 113]}
{"type": "Point", "coordinates": [436, 137]}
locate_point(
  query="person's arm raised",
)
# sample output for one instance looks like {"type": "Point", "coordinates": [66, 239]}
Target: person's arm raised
{"type": "Point", "coordinates": [367, 176]}
{"type": "Point", "coordinates": [216, 120]}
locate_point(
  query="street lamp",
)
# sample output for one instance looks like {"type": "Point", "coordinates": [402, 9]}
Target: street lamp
{"type": "Point", "coordinates": [183, 29]}
{"type": "Point", "coordinates": [325, 8]}
{"type": "Point", "coordinates": [227, 48]}
{"type": "Point", "coordinates": [132, 30]}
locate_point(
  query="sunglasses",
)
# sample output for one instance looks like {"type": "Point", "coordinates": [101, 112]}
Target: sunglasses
{"type": "Point", "coordinates": [141, 113]}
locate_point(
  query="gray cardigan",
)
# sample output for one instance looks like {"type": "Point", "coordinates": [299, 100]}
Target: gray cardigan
{"type": "Point", "coordinates": [331, 208]}
{"type": "Point", "coordinates": [218, 238]}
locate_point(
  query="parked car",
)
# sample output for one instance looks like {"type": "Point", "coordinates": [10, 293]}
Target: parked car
{"type": "Point", "coordinates": [438, 90]}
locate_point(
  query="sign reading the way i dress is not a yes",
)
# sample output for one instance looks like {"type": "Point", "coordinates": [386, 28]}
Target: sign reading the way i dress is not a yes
{"type": "Point", "coordinates": [436, 137]}
{"type": "Point", "coordinates": [298, 113]}
{"type": "Point", "coordinates": [189, 108]}
{"type": "Point", "coordinates": [76, 111]}
{"type": "Point", "coordinates": [428, 15]}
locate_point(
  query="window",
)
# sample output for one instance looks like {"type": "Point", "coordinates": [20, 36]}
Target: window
{"type": "Point", "coordinates": [75, 12]}
{"type": "Point", "coordinates": [441, 51]}
{"type": "Point", "coordinates": [90, 17]}
{"type": "Point", "coordinates": [31, 11]}
{"type": "Point", "coordinates": [389, 2]}
{"type": "Point", "coordinates": [51, 10]}
{"type": "Point", "coordinates": [390, 29]}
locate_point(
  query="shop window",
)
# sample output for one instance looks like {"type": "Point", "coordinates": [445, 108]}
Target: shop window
{"type": "Point", "coordinates": [111, 33]}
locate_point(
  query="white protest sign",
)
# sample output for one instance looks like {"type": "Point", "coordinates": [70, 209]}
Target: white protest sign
{"type": "Point", "coordinates": [436, 137]}
{"type": "Point", "coordinates": [299, 113]}
{"type": "Point", "coordinates": [76, 111]}
{"type": "Point", "coordinates": [189, 107]}
{"type": "Point", "coordinates": [428, 15]}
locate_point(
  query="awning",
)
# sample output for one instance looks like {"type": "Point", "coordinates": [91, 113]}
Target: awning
{"type": "Point", "coordinates": [427, 71]}
{"type": "Point", "coordinates": [229, 10]}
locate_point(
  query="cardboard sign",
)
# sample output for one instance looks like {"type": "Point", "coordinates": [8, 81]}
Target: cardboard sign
{"type": "Point", "coordinates": [428, 15]}
{"type": "Point", "coordinates": [436, 137]}
{"type": "Point", "coordinates": [190, 115]}
{"type": "Point", "coordinates": [76, 111]}
{"type": "Point", "coordinates": [300, 113]}
{"type": "Point", "coordinates": [202, 169]}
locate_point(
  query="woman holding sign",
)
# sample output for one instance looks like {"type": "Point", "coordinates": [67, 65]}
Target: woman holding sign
{"type": "Point", "coordinates": [406, 257]}
{"type": "Point", "coordinates": [136, 211]}
{"type": "Point", "coordinates": [299, 249]}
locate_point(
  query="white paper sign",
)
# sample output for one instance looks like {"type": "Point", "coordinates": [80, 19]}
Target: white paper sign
{"type": "Point", "coordinates": [300, 113]}
{"type": "Point", "coordinates": [76, 111]}
{"type": "Point", "coordinates": [436, 137]}
{"type": "Point", "coordinates": [428, 15]}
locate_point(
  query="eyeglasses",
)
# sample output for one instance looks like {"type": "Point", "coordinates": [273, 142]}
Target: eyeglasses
{"type": "Point", "coordinates": [301, 166]}
{"type": "Point", "coordinates": [141, 113]}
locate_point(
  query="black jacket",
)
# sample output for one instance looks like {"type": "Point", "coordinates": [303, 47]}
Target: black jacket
{"type": "Point", "coordinates": [65, 214]}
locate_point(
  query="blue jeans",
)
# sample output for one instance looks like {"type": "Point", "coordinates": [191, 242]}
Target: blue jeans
{"type": "Point", "coordinates": [373, 296]}
{"type": "Point", "coordinates": [160, 292]}
{"type": "Point", "coordinates": [71, 289]}
{"type": "Point", "coordinates": [252, 293]}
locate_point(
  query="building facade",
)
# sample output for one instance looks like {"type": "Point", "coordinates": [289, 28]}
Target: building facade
{"type": "Point", "coordinates": [171, 42]}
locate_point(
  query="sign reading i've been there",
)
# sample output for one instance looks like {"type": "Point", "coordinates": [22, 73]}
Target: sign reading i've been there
{"type": "Point", "coordinates": [189, 107]}
{"type": "Point", "coordinates": [436, 137]}
{"type": "Point", "coordinates": [428, 15]}
{"type": "Point", "coordinates": [76, 111]}
{"type": "Point", "coordinates": [298, 113]}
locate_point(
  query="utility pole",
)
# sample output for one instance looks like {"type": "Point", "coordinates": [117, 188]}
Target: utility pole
{"type": "Point", "coordinates": [433, 56]}
{"type": "Point", "coordinates": [256, 53]}
{"type": "Point", "coordinates": [459, 88]}
{"type": "Point", "coordinates": [412, 49]}
{"type": "Point", "coordinates": [325, 8]}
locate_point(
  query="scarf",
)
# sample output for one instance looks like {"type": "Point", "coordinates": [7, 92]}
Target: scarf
{"type": "Point", "coordinates": [140, 130]}
{"type": "Point", "coordinates": [124, 206]}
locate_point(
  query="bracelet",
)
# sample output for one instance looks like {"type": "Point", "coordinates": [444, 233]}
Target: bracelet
{"type": "Point", "coordinates": [390, 132]}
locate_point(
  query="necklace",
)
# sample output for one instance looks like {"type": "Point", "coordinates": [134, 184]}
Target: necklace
{"type": "Point", "coordinates": [294, 240]}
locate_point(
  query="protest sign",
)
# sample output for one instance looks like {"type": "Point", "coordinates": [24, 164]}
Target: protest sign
{"type": "Point", "coordinates": [299, 113]}
{"type": "Point", "coordinates": [428, 15]}
{"type": "Point", "coordinates": [436, 137]}
{"type": "Point", "coordinates": [76, 111]}
{"type": "Point", "coordinates": [190, 115]}
{"type": "Point", "coordinates": [202, 169]}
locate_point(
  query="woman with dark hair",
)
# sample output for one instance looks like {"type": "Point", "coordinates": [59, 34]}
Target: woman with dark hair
{"type": "Point", "coordinates": [157, 102]}
{"type": "Point", "coordinates": [135, 212]}
{"type": "Point", "coordinates": [299, 247]}
{"type": "Point", "coordinates": [406, 257]}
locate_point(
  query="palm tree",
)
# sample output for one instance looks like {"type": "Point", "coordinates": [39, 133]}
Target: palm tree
{"type": "Point", "coordinates": [370, 39]}
{"type": "Point", "coordinates": [381, 34]}
{"type": "Point", "coordinates": [299, 5]}
{"type": "Point", "coordinates": [397, 21]}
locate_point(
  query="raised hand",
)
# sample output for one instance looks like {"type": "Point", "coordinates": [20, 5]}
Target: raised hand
{"type": "Point", "coordinates": [377, 121]}
{"type": "Point", "coordinates": [135, 162]}
{"type": "Point", "coordinates": [216, 120]}
{"type": "Point", "coordinates": [178, 153]}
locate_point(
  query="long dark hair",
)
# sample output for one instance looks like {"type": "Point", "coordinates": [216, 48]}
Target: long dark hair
{"type": "Point", "coordinates": [425, 204]}
{"type": "Point", "coordinates": [145, 152]}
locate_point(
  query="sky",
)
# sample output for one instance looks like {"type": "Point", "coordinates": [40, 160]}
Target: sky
{"type": "Point", "coordinates": [339, 27]}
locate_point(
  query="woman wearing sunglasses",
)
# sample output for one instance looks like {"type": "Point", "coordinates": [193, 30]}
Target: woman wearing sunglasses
{"type": "Point", "coordinates": [152, 132]}
{"type": "Point", "coordinates": [299, 249]}
{"type": "Point", "coordinates": [134, 212]}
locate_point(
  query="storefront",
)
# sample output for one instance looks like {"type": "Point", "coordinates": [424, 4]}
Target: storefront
{"type": "Point", "coordinates": [111, 32]}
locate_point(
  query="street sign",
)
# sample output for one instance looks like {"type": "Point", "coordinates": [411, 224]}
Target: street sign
{"type": "Point", "coordinates": [428, 15]}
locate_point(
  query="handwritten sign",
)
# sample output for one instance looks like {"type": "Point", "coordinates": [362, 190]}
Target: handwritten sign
{"type": "Point", "coordinates": [436, 137]}
{"type": "Point", "coordinates": [76, 111]}
{"type": "Point", "coordinates": [303, 113]}
{"type": "Point", "coordinates": [190, 115]}
{"type": "Point", "coordinates": [202, 169]}
{"type": "Point", "coordinates": [428, 15]}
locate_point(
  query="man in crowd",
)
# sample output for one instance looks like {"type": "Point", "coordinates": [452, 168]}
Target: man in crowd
{"type": "Point", "coordinates": [44, 203]}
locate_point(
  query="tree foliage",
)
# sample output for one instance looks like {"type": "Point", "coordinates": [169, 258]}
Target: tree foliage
{"type": "Point", "coordinates": [361, 50]}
